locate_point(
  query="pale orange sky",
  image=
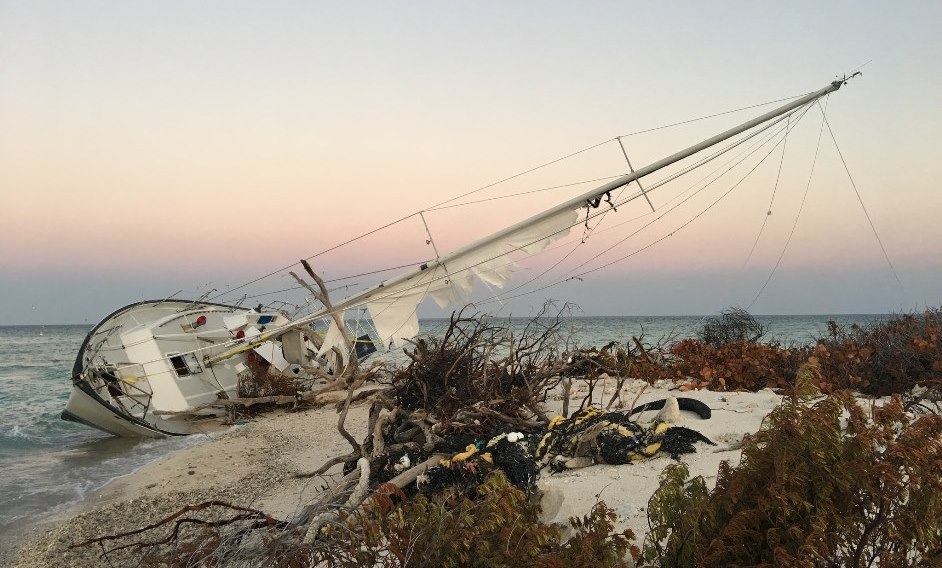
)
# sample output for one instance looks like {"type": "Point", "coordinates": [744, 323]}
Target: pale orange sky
{"type": "Point", "coordinates": [147, 148]}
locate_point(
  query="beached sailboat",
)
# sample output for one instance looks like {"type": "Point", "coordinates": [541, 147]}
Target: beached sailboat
{"type": "Point", "coordinates": [148, 368]}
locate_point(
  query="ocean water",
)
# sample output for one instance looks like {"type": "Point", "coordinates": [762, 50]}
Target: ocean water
{"type": "Point", "coordinates": [48, 464]}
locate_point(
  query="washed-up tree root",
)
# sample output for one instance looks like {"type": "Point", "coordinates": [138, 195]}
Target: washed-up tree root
{"type": "Point", "coordinates": [468, 389]}
{"type": "Point", "coordinates": [476, 379]}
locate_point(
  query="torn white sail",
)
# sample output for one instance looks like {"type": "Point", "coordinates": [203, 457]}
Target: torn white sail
{"type": "Point", "coordinates": [335, 338]}
{"type": "Point", "coordinates": [450, 281]}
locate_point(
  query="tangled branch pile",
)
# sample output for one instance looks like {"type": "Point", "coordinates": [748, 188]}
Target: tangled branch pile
{"type": "Point", "coordinates": [478, 378]}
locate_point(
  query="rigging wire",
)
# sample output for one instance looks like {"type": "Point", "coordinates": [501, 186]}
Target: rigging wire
{"type": "Point", "coordinates": [496, 197]}
{"type": "Point", "coordinates": [274, 272]}
{"type": "Point", "coordinates": [659, 217]}
{"type": "Point", "coordinates": [670, 178]}
{"type": "Point", "coordinates": [515, 176]}
{"type": "Point", "coordinates": [801, 207]}
{"type": "Point", "coordinates": [447, 201]}
{"type": "Point", "coordinates": [329, 280]}
{"type": "Point", "coordinates": [768, 212]}
{"type": "Point", "coordinates": [860, 200]}
{"type": "Point", "coordinates": [293, 288]}
{"type": "Point", "coordinates": [710, 116]}
{"type": "Point", "coordinates": [689, 221]}
{"type": "Point", "coordinates": [743, 155]}
{"type": "Point", "coordinates": [577, 152]}
{"type": "Point", "coordinates": [655, 242]}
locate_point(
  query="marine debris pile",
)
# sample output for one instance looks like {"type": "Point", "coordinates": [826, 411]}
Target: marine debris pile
{"type": "Point", "coordinates": [476, 398]}
{"type": "Point", "coordinates": [456, 440]}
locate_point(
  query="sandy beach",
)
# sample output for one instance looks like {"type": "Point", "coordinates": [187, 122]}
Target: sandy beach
{"type": "Point", "coordinates": [255, 465]}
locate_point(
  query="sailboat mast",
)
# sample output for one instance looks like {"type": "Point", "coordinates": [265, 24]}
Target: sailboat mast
{"type": "Point", "coordinates": [570, 204]}
{"type": "Point", "coordinates": [598, 192]}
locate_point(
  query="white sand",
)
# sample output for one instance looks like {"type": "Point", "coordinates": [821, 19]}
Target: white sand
{"type": "Point", "coordinates": [627, 488]}
{"type": "Point", "coordinates": [253, 465]}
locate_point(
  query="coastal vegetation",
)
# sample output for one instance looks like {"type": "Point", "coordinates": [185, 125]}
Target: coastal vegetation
{"type": "Point", "coordinates": [830, 479]}
{"type": "Point", "coordinates": [811, 490]}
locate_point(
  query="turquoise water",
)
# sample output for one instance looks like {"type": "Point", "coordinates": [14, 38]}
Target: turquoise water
{"type": "Point", "coordinates": [48, 464]}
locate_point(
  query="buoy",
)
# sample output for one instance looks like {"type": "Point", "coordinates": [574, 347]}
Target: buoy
{"type": "Point", "coordinates": [670, 413]}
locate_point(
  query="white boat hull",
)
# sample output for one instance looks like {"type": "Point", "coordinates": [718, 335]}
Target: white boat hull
{"type": "Point", "coordinates": [143, 370]}
{"type": "Point", "coordinates": [94, 412]}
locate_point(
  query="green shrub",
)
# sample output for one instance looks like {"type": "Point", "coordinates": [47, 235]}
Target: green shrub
{"type": "Point", "coordinates": [500, 527]}
{"type": "Point", "coordinates": [812, 493]}
{"type": "Point", "coordinates": [733, 324]}
{"type": "Point", "coordinates": [887, 357]}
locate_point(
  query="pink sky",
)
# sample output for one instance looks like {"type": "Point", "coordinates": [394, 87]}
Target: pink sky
{"type": "Point", "coordinates": [151, 148]}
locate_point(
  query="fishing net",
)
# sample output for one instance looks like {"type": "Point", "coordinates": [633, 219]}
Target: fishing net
{"type": "Point", "coordinates": [588, 436]}
{"type": "Point", "coordinates": [507, 451]}
{"type": "Point", "coordinates": [612, 438]}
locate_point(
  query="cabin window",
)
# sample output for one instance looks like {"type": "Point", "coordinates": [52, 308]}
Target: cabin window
{"type": "Point", "coordinates": [179, 365]}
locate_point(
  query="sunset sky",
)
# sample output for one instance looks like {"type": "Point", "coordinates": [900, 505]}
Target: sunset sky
{"type": "Point", "coordinates": [151, 147]}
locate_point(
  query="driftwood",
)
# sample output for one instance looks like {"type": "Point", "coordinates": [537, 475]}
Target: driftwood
{"type": "Point", "coordinates": [335, 496]}
{"type": "Point", "coordinates": [328, 394]}
{"type": "Point", "coordinates": [318, 342]}
{"type": "Point", "coordinates": [246, 514]}
{"type": "Point", "coordinates": [357, 448]}
{"type": "Point", "coordinates": [323, 297]}
{"type": "Point", "coordinates": [357, 497]}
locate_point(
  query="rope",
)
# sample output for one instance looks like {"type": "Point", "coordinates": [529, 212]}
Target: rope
{"type": "Point", "coordinates": [765, 218]}
{"type": "Point", "coordinates": [797, 216]}
{"type": "Point", "coordinates": [860, 200]}
{"type": "Point", "coordinates": [495, 198]}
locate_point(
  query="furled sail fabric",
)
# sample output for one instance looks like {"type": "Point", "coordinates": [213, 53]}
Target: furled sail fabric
{"type": "Point", "coordinates": [393, 308]}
